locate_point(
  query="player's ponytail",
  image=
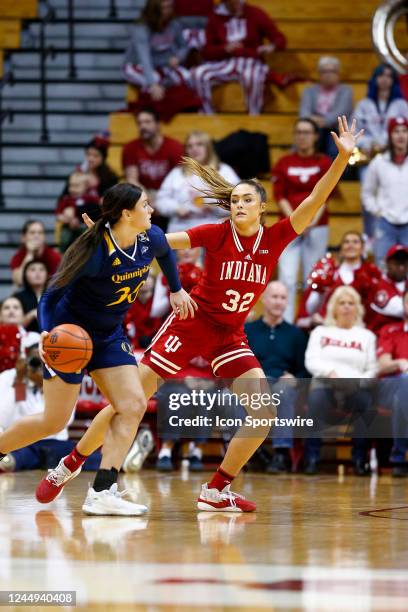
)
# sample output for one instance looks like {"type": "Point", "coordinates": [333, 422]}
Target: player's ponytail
{"type": "Point", "coordinates": [219, 189]}
{"type": "Point", "coordinates": [123, 196]}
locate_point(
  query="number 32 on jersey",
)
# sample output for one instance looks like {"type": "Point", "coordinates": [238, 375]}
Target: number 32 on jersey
{"type": "Point", "coordinates": [238, 302]}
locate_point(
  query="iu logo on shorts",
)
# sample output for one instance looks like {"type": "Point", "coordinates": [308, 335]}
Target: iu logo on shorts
{"type": "Point", "coordinates": [172, 344]}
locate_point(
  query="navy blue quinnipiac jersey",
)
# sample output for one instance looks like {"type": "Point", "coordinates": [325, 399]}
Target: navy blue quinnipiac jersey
{"type": "Point", "coordinates": [108, 283]}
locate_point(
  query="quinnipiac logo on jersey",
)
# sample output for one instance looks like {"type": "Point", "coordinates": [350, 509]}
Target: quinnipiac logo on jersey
{"type": "Point", "coordinates": [125, 346]}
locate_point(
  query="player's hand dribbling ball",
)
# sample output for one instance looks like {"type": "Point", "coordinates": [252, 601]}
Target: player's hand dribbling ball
{"type": "Point", "coordinates": [67, 348]}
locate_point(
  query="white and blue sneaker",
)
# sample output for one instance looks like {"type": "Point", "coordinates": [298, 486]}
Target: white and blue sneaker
{"type": "Point", "coordinates": [109, 502]}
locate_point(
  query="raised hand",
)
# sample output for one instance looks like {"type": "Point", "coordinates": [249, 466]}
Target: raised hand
{"type": "Point", "coordinates": [347, 138]}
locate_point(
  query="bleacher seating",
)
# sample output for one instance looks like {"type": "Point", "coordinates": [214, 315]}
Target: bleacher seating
{"type": "Point", "coordinates": [312, 29]}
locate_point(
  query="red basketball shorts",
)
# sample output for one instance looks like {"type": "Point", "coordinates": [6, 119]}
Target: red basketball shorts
{"type": "Point", "coordinates": [178, 342]}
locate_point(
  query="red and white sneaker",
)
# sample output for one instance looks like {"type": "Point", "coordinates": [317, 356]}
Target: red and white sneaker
{"type": "Point", "coordinates": [214, 500]}
{"type": "Point", "coordinates": [51, 486]}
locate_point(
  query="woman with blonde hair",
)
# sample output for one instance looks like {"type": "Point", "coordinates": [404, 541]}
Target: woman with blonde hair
{"type": "Point", "coordinates": [179, 196]}
{"type": "Point", "coordinates": [341, 348]}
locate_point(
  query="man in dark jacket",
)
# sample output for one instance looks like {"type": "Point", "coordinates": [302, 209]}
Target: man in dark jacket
{"type": "Point", "coordinates": [280, 348]}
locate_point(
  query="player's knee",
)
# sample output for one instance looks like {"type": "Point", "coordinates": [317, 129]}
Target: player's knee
{"type": "Point", "coordinates": [133, 406]}
{"type": "Point", "coordinates": [53, 426]}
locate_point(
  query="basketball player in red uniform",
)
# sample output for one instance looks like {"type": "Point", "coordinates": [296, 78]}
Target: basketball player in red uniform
{"type": "Point", "coordinates": [241, 255]}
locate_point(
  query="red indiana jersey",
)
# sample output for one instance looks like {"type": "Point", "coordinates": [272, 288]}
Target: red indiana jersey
{"type": "Point", "coordinates": [237, 268]}
{"type": "Point", "coordinates": [385, 304]}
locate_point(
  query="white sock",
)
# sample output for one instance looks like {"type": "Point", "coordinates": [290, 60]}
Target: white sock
{"type": "Point", "coordinates": [164, 452]}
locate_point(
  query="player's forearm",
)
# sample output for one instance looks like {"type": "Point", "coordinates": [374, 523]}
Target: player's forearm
{"type": "Point", "coordinates": [179, 240]}
{"type": "Point", "coordinates": [168, 266]}
{"type": "Point", "coordinates": [305, 212]}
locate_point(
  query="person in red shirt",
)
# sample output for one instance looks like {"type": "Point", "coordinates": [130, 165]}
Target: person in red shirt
{"type": "Point", "coordinates": [393, 365]}
{"type": "Point", "coordinates": [241, 255]}
{"type": "Point", "coordinates": [80, 198]}
{"type": "Point", "coordinates": [385, 301]}
{"type": "Point", "coordinates": [33, 247]}
{"type": "Point", "coordinates": [293, 178]}
{"type": "Point", "coordinates": [147, 160]}
{"type": "Point", "coordinates": [331, 272]}
{"type": "Point", "coordinates": [235, 50]}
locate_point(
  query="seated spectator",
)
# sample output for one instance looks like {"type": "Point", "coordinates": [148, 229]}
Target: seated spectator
{"type": "Point", "coordinates": [179, 198]}
{"type": "Point", "coordinates": [81, 198]}
{"type": "Point", "coordinates": [13, 337]}
{"type": "Point", "coordinates": [193, 17]}
{"type": "Point", "coordinates": [350, 269]}
{"type": "Point", "coordinates": [280, 348]}
{"type": "Point", "coordinates": [35, 277]}
{"type": "Point", "coordinates": [22, 395]}
{"type": "Point", "coordinates": [293, 178]}
{"type": "Point", "coordinates": [384, 191]}
{"type": "Point", "coordinates": [383, 102]}
{"type": "Point", "coordinates": [140, 325]}
{"type": "Point", "coordinates": [101, 175]}
{"type": "Point", "coordinates": [21, 391]}
{"type": "Point", "coordinates": [33, 247]}
{"type": "Point", "coordinates": [235, 50]}
{"type": "Point", "coordinates": [341, 348]}
{"type": "Point", "coordinates": [386, 298]}
{"type": "Point", "coordinates": [393, 366]}
{"type": "Point", "coordinates": [326, 101]}
{"type": "Point", "coordinates": [147, 160]}
{"type": "Point", "coordinates": [189, 272]}
{"type": "Point", "coordinates": [157, 50]}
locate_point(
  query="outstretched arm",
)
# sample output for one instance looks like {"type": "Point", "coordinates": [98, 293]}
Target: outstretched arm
{"type": "Point", "coordinates": [345, 142]}
{"type": "Point", "coordinates": [179, 240]}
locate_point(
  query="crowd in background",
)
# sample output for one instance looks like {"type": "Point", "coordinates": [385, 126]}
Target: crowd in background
{"type": "Point", "coordinates": [350, 319]}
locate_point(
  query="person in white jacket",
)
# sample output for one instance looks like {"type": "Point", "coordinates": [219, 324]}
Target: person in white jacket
{"type": "Point", "coordinates": [178, 197]}
{"type": "Point", "coordinates": [340, 349]}
{"type": "Point", "coordinates": [384, 101]}
{"type": "Point", "coordinates": [385, 191]}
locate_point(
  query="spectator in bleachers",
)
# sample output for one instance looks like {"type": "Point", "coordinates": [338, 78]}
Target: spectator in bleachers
{"type": "Point", "coordinates": [235, 50]}
{"type": "Point", "coordinates": [35, 277]}
{"type": "Point", "coordinates": [386, 299]}
{"type": "Point", "coordinates": [22, 395]}
{"type": "Point", "coordinates": [341, 348]}
{"type": "Point", "coordinates": [140, 325]}
{"type": "Point", "coordinates": [179, 198]}
{"type": "Point", "coordinates": [33, 247]}
{"type": "Point", "coordinates": [384, 101]}
{"type": "Point", "coordinates": [14, 338]}
{"type": "Point", "coordinates": [280, 349]}
{"type": "Point", "coordinates": [293, 178]}
{"type": "Point", "coordinates": [193, 18]}
{"type": "Point", "coordinates": [189, 272]}
{"type": "Point", "coordinates": [157, 50]}
{"type": "Point", "coordinates": [385, 191]}
{"type": "Point", "coordinates": [393, 365]}
{"type": "Point", "coordinates": [326, 101]}
{"type": "Point", "coordinates": [327, 274]}
{"type": "Point", "coordinates": [147, 160]}
{"type": "Point", "coordinates": [100, 175]}
{"type": "Point", "coordinates": [81, 198]}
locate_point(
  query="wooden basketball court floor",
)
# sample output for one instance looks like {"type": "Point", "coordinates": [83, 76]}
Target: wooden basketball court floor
{"type": "Point", "coordinates": [316, 543]}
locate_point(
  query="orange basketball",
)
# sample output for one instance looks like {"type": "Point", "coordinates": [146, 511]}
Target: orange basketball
{"type": "Point", "coordinates": [68, 348]}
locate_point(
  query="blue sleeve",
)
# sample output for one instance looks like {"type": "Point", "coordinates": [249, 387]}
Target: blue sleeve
{"type": "Point", "coordinates": [52, 295]}
{"type": "Point", "coordinates": [165, 257]}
